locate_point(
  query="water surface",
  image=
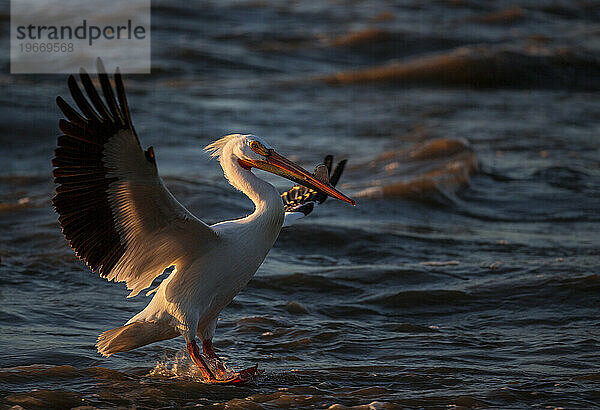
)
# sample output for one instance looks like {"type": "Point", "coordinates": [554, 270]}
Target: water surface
{"type": "Point", "coordinates": [469, 276]}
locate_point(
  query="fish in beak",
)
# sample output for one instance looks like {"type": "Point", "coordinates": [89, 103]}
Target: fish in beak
{"type": "Point", "coordinates": [279, 165]}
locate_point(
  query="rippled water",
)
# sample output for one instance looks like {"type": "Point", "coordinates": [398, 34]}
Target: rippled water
{"type": "Point", "coordinates": [469, 273]}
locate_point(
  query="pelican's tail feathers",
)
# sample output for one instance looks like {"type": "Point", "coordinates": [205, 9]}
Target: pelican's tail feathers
{"type": "Point", "coordinates": [132, 336]}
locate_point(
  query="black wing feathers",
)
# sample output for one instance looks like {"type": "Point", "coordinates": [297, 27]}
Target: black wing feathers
{"type": "Point", "coordinates": [302, 199]}
{"type": "Point", "coordinates": [82, 195]}
{"type": "Point", "coordinates": [94, 97]}
{"type": "Point", "coordinates": [109, 96]}
{"type": "Point", "coordinates": [122, 98]}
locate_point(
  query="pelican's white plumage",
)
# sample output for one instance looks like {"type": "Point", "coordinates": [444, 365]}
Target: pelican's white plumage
{"type": "Point", "coordinates": [158, 230]}
{"type": "Point", "coordinates": [121, 219]}
{"type": "Point", "coordinates": [210, 273]}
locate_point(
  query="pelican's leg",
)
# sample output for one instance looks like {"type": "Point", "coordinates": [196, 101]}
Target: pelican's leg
{"type": "Point", "coordinates": [200, 362]}
{"type": "Point", "coordinates": [207, 348]}
{"type": "Point", "coordinates": [209, 351]}
{"type": "Point", "coordinates": [241, 376]}
{"type": "Point", "coordinates": [208, 375]}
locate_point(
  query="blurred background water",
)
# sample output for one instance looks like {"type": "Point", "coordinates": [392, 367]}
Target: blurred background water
{"type": "Point", "coordinates": [467, 276]}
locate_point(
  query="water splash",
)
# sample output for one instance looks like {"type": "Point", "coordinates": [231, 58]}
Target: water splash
{"type": "Point", "coordinates": [177, 366]}
{"type": "Point", "coordinates": [181, 366]}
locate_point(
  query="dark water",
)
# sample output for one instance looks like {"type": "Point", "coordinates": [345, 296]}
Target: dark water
{"type": "Point", "coordinates": [469, 274]}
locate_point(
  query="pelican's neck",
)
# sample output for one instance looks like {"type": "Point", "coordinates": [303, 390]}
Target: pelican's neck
{"type": "Point", "coordinates": [267, 201]}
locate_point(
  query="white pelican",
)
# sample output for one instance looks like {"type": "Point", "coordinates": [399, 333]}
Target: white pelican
{"type": "Point", "coordinates": [119, 217]}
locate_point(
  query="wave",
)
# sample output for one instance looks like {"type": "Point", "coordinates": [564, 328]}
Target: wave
{"type": "Point", "coordinates": [484, 66]}
{"type": "Point", "coordinates": [410, 328]}
{"type": "Point", "coordinates": [301, 281]}
{"type": "Point", "coordinates": [24, 202]}
{"type": "Point", "coordinates": [566, 177]}
{"type": "Point", "coordinates": [439, 166]}
{"type": "Point", "coordinates": [504, 16]}
{"type": "Point", "coordinates": [378, 44]}
{"type": "Point", "coordinates": [417, 298]}
{"type": "Point", "coordinates": [44, 398]}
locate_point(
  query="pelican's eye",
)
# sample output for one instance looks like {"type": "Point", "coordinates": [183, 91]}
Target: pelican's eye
{"type": "Point", "coordinates": [259, 148]}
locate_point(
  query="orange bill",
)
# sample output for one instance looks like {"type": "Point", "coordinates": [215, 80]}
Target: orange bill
{"type": "Point", "coordinates": [279, 165]}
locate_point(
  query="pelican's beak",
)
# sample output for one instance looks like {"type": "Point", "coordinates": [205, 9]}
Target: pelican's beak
{"type": "Point", "coordinates": [279, 165]}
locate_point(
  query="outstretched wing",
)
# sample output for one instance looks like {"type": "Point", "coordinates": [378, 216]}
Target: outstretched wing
{"type": "Point", "coordinates": [300, 201]}
{"type": "Point", "coordinates": [114, 209]}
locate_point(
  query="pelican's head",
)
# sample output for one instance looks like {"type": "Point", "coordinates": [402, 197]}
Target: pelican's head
{"type": "Point", "coordinates": [250, 151]}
